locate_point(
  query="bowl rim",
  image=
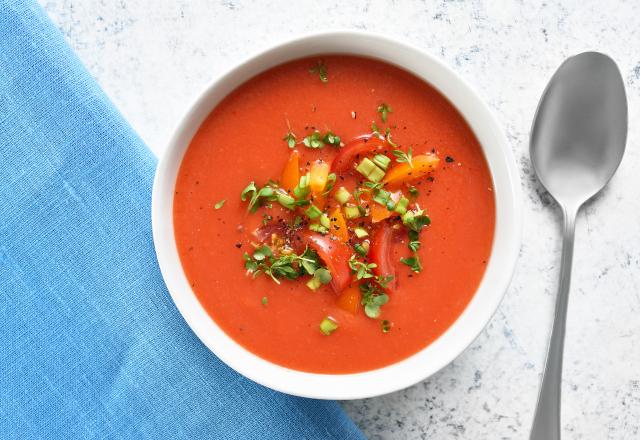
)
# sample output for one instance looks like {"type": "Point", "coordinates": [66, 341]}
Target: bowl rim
{"type": "Point", "coordinates": [487, 297]}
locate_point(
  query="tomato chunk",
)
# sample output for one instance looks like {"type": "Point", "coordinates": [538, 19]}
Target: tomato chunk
{"type": "Point", "coordinates": [380, 254]}
{"type": "Point", "coordinates": [359, 146]}
{"type": "Point", "coordinates": [335, 256]}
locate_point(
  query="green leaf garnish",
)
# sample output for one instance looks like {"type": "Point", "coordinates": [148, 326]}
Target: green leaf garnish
{"type": "Point", "coordinates": [331, 138]}
{"type": "Point", "coordinates": [374, 128]}
{"type": "Point", "coordinates": [362, 270]}
{"type": "Point", "coordinates": [314, 140]}
{"type": "Point", "coordinates": [290, 139]}
{"type": "Point", "coordinates": [402, 157]}
{"type": "Point", "coordinates": [385, 326]}
{"type": "Point", "coordinates": [265, 300]}
{"type": "Point", "coordinates": [323, 275]}
{"type": "Point", "coordinates": [413, 191]}
{"type": "Point", "coordinates": [219, 204]}
{"type": "Point", "coordinates": [414, 243]}
{"type": "Point", "coordinates": [413, 262]}
{"type": "Point", "coordinates": [372, 299]}
{"type": "Point", "coordinates": [384, 111]}
{"type": "Point", "coordinates": [389, 139]}
{"type": "Point", "coordinates": [321, 70]}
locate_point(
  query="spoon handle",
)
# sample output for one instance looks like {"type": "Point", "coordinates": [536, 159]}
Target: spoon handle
{"type": "Point", "coordinates": [546, 422]}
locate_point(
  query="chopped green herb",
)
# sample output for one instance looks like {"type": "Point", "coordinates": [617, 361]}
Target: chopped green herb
{"type": "Point", "coordinates": [264, 300]}
{"type": "Point", "coordinates": [261, 253]}
{"type": "Point", "coordinates": [331, 138]}
{"type": "Point", "coordinates": [385, 325]}
{"type": "Point", "coordinates": [402, 157]}
{"type": "Point", "coordinates": [328, 325]}
{"type": "Point", "coordinates": [314, 140]}
{"type": "Point", "coordinates": [384, 111]}
{"type": "Point", "coordinates": [449, 159]}
{"type": "Point", "coordinates": [414, 243]}
{"type": "Point", "coordinates": [374, 128]}
{"type": "Point", "coordinates": [362, 270]}
{"type": "Point", "coordinates": [415, 220]}
{"type": "Point", "coordinates": [290, 139]}
{"type": "Point", "coordinates": [372, 299]}
{"type": "Point", "coordinates": [384, 280]}
{"type": "Point", "coordinates": [266, 218]}
{"type": "Point", "coordinates": [219, 204]}
{"type": "Point", "coordinates": [413, 262]}
{"type": "Point", "coordinates": [389, 139]}
{"type": "Point", "coordinates": [413, 191]}
{"type": "Point", "coordinates": [331, 181]}
{"type": "Point", "coordinates": [321, 70]}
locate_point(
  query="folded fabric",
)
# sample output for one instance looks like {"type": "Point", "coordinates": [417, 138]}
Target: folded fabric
{"type": "Point", "coordinates": [91, 345]}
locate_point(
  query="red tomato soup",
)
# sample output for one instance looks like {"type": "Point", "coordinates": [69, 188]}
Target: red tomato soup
{"type": "Point", "coordinates": [345, 275]}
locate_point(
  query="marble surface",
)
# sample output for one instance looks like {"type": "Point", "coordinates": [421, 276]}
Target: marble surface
{"type": "Point", "coordinates": [153, 57]}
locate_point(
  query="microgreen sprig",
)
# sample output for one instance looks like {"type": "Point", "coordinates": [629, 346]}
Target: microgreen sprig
{"type": "Point", "coordinates": [402, 157]}
{"type": "Point", "coordinates": [320, 69]}
{"type": "Point", "coordinates": [384, 110]}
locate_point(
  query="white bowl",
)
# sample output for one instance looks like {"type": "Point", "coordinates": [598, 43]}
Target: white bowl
{"type": "Point", "coordinates": [484, 303]}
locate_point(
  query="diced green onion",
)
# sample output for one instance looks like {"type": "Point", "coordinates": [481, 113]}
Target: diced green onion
{"type": "Point", "coordinates": [360, 232]}
{"type": "Point", "coordinates": [313, 212]}
{"type": "Point", "coordinates": [401, 206]}
{"type": "Point", "coordinates": [351, 212]}
{"type": "Point", "coordinates": [382, 161]}
{"type": "Point", "coordinates": [376, 175]}
{"type": "Point", "coordinates": [381, 196]}
{"type": "Point", "coordinates": [365, 167]}
{"type": "Point", "coordinates": [391, 204]}
{"type": "Point", "coordinates": [370, 170]}
{"type": "Point", "coordinates": [314, 284]}
{"type": "Point", "coordinates": [328, 325]}
{"type": "Point", "coordinates": [342, 195]}
{"type": "Point", "coordinates": [362, 248]}
{"type": "Point", "coordinates": [286, 200]}
{"type": "Point", "coordinates": [315, 227]}
{"type": "Point", "coordinates": [302, 189]}
{"type": "Point", "coordinates": [325, 221]}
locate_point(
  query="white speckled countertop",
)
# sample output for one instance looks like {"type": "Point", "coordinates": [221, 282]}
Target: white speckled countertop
{"type": "Point", "coordinates": [152, 58]}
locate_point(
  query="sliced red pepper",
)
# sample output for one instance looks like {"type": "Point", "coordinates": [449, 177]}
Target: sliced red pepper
{"type": "Point", "coordinates": [359, 146]}
{"type": "Point", "coordinates": [335, 256]}
{"type": "Point", "coordinates": [380, 254]}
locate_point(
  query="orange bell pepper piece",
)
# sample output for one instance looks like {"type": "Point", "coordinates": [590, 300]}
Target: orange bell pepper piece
{"type": "Point", "coordinates": [349, 299]}
{"type": "Point", "coordinates": [403, 172]}
{"type": "Point", "coordinates": [319, 175]}
{"type": "Point", "coordinates": [339, 225]}
{"type": "Point", "coordinates": [291, 172]}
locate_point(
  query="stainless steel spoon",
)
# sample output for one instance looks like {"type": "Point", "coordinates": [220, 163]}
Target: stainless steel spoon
{"type": "Point", "coordinates": [577, 143]}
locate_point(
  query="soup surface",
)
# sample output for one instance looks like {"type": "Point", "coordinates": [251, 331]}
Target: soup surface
{"type": "Point", "coordinates": [325, 322]}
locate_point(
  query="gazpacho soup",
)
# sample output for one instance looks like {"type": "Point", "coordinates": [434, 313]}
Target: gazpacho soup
{"type": "Point", "coordinates": [334, 214]}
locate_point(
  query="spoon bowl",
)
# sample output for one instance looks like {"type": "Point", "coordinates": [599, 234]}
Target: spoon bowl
{"type": "Point", "coordinates": [580, 129]}
{"type": "Point", "coordinates": [577, 142]}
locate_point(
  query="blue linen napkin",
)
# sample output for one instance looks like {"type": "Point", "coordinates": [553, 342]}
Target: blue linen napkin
{"type": "Point", "coordinates": [91, 345]}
